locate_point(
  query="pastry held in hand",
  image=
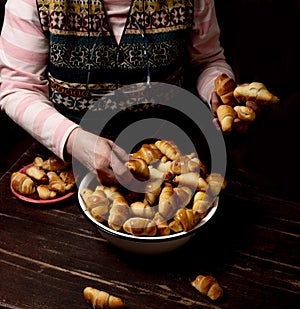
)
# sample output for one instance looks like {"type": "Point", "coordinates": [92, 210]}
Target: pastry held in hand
{"type": "Point", "coordinates": [22, 183]}
{"type": "Point", "coordinates": [148, 152]}
{"type": "Point", "coordinates": [245, 113]}
{"type": "Point", "coordinates": [208, 286]}
{"type": "Point", "coordinates": [256, 92]}
{"type": "Point", "coordinates": [226, 115]}
{"type": "Point", "coordinates": [139, 168]}
{"type": "Point", "coordinates": [101, 299]}
{"type": "Point", "coordinates": [224, 87]}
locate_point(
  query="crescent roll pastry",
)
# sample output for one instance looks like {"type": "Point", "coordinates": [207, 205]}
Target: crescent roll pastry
{"type": "Point", "coordinates": [54, 163]}
{"type": "Point", "coordinates": [22, 183]}
{"type": "Point", "coordinates": [208, 286]}
{"type": "Point", "coordinates": [38, 161]}
{"type": "Point", "coordinates": [68, 178]}
{"type": "Point", "coordinates": [102, 300]}
{"type": "Point", "coordinates": [226, 114]}
{"type": "Point", "coordinates": [193, 180]}
{"type": "Point", "coordinates": [167, 206]}
{"type": "Point", "coordinates": [140, 209]}
{"type": "Point", "coordinates": [187, 218]}
{"type": "Point", "coordinates": [224, 87]}
{"type": "Point", "coordinates": [187, 163]}
{"type": "Point", "coordinates": [245, 113]}
{"type": "Point", "coordinates": [148, 152]}
{"type": "Point", "coordinates": [256, 92]}
{"type": "Point", "coordinates": [139, 168]}
{"type": "Point", "coordinates": [168, 148]}
{"type": "Point", "coordinates": [152, 191]}
{"type": "Point", "coordinates": [37, 174]}
{"type": "Point", "coordinates": [119, 212]}
{"type": "Point", "coordinates": [162, 225]}
{"type": "Point", "coordinates": [45, 193]}
{"type": "Point", "coordinates": [140, 226]}
{"type": "Point", "coordinates": [56, 183]}
{"type": "Point", "coordinates": [183, 195]}
{"type": "Point", "coordinates": [202, 202]}
{"type": "Point", "coordinates": [216, 183]}
{"type": "Point", "coordinates": [94, 199]}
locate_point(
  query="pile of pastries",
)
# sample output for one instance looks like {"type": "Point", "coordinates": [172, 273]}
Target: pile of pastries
{"type": "Point", "coordinates": [240, 103]}
{"type": "Point", "coordinates": [44, 179]}
{"type": "Point", "coordinates": [176, 192]}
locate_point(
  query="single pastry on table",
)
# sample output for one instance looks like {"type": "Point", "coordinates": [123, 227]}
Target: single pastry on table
{"type": "Point", "coordinates": [208, 286]}
{"type": "Point", "coordinates": [102, 300]}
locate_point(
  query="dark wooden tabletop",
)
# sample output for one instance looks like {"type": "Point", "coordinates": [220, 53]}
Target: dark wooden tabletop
{"type": "Point", "coordinates": [48, 255]}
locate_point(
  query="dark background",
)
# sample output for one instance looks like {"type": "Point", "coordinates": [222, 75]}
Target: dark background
{"type": "Point", "coordinates": [261, 42]}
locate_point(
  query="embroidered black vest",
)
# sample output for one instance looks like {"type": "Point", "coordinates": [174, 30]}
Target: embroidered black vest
{"type": "Point", "coordinates": [82, 44]}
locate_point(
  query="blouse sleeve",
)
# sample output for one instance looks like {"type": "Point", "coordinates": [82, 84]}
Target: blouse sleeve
{"type": "Point", "coordinates": [206, 53]}
{"type": "Point", "coordinates": [24, 92]}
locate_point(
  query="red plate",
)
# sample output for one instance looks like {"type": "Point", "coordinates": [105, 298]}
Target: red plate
{"type": "Point", "coordinates": [38, 200]}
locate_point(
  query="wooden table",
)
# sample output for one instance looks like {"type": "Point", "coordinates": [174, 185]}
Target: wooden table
{"type": "Point", "coordinates": [48, 255]}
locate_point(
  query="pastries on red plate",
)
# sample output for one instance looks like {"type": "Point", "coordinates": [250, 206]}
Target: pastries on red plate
{"type": "Point", "coordinates": [44, 179]}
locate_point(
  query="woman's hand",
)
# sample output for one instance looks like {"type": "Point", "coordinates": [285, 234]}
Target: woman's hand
{"type": "Point", "coordinates": [99, 155]}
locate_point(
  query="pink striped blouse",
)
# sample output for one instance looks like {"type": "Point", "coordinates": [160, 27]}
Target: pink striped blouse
{"type": "Point", "coordinates": [23, 61]}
